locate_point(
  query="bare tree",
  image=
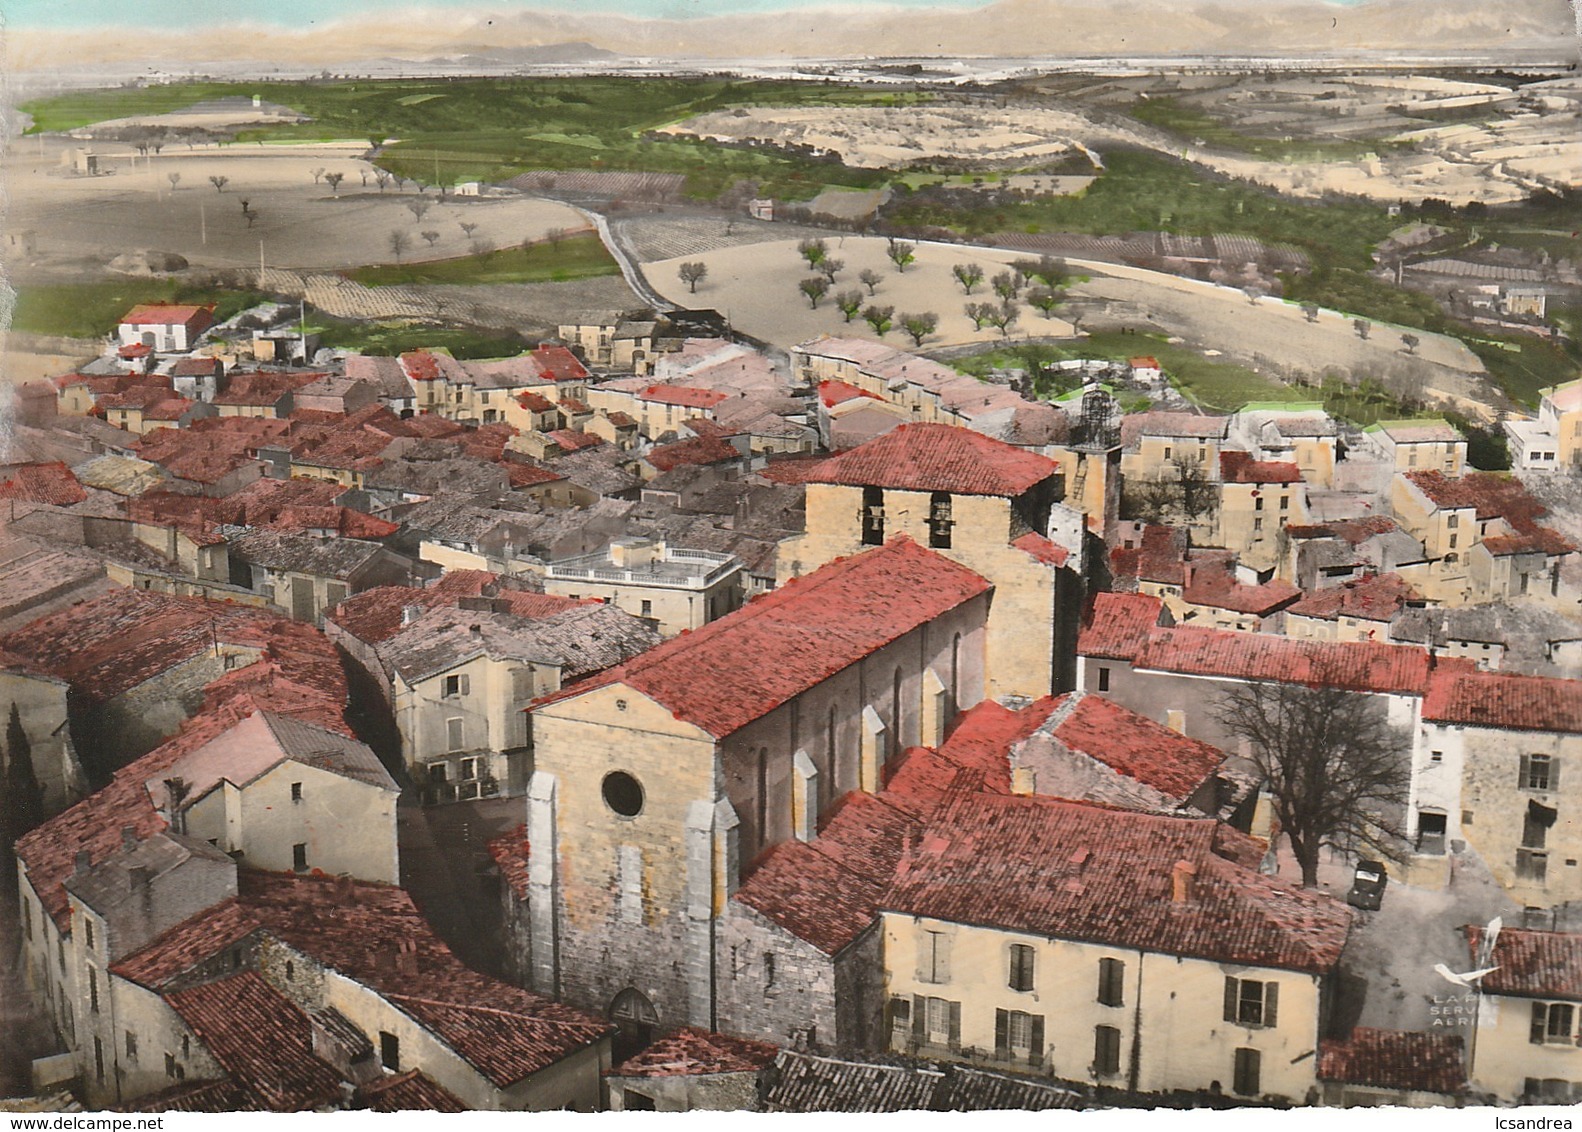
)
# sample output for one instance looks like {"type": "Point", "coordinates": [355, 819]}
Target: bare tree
{"type": "Point", "coordinates": [1051, 270]}
{"type": "Point", "coordinates": [468, 228]}
{"type": "Point", "coordinates": [829, 268]}
{"type": "Point", "coordinates": [979, 313]}
{"type": "Point", "coordinates": [219, 182]}
{"type": "Point", "coordinates": [919, 326]}
{"type": "Point", "coordinates": [1336, 772]}
{"type": "Point", "coordinates": [693, 273]}
{"type": "Point", "coordinates": [1411, 342]}
{"type": "Point", "coordinates": [814, 287]}
{"type": "Point", "coordinates": [901, 253]}
{"type": "Point", "coordinates": [849, 302]}
{"type": "Point", "coordinates": [483, 249]}
{"type": "Point", "coordinates": [317, 173]}
{"type": "Point", "coordinates": [333, 180]}
{"type": "Point", "coordinates": [1002, 317]}
{"type": "Point", "coordinates": [252, 217]}
{"type": "Point", "coordinates": [1311, 311]}
{"type": "Point", "coordinates": [1045, 299]}
{"type": "Point", "coordinates": [969, 275]}
{"type": "Point", "coordinates": [1253, 293]}
{"type": "Point", "coordinates": [430, 235]}
{"type": "Point", "coordinates": [1363, 328]}
{"type": "Point", "coordinates": [174, 178]}
{"type": "Point", "coordinates": [399, 243]}
{"type": "Point", "coordinates": [554, 236]}
{"type": "Point", "coordinates": [382, 179]}
{"type": "Point", "coordinates": [879, 318]}
{"type": "Point", "coordinates": [417, 206]}
{"type": "Point", "coordinates": [814, 251]}
{"type": "Point", "coordinates": [870, 279]}
{"type": "Point", "coordinates": [1005, 285]}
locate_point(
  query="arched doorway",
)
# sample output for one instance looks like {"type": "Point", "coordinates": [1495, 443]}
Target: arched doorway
{"type": "Point", "coordinates": [635, 1018]}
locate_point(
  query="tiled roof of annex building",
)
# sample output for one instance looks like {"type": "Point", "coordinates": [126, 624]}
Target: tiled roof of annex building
{"type": "Point", "coordinates": [374, 935]}
{"type": "Point", "coordinates": [735, 670]}
{"type": "Point", "coordinates": [1090, 873]}
{"type": "Point", "coordinates": [378, 614]}
{"type": "Point", "coordinates": [1131, 744]}
{"type": "Point", "coordinates": [1125, 627]}
{"type": "Point", "coordinates": [1395, 1059]}
{"type": "Point", "coordinates": [937, 457]}
{"type": "Point", "coordinates": [1240, 467]}
{"type": "Point", "coordinates": [94, 825]}
{"type": "Point", "coordinates": [1377, 597]}
{"type": "Point", "coordinates": [51, 483]}
{"type": "Point", "coordinates": [693, 1052]}
{"type": "Point", "coordinates": [1494, 496]}
{"type": "Point", "coordinates": [115, 642]}
{"type": "Point", "coordinates": [1506, 700]}
{"type": "Point", "coordinates": [1532, 964]}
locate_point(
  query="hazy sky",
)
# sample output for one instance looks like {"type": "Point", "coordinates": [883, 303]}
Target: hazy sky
{"type": "Point", "coordinates": [301, 13]}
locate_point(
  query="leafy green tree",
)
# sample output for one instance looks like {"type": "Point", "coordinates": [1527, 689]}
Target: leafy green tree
{"type": "Point", "coordinates": [969, 275]}
{"type": "Point", "coordinates": [814, 287]}
{"type": "Point", "coordinates": [849, 302]}
{"type": "Point", "coordinates": [879, 318]}
{"type": "Point", "coordinates": [919, 326]}
{"type": "Point", "coordinates": [1045, 299]}
{"type": "Point", "coordinates": [814, 251]}
{"type": "Point", "coordinates": [901, 253]}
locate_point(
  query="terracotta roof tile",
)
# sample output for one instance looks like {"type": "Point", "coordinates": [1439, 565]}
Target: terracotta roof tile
{"type": "Point", "coordinates": [685, 395]}
{"type": "Point", "coordinates": [734, 670]}
{"type": "Point", "coordinates": [1395, 1059]}
{"type": "Point", "coordinates": [161, 314]}
{"type": "Point", "coordinates": [570, 440]}
{"type": "Point", "coordinates": [937, 457]}
{"type": "Point", "coordinates": [1213, 584]}
{"type": "Point", "coordinates": [1136, 746]}
{"type": "Point", "coordinates": [1495, 699]}
{"type": "Point", "coordinates": [51, 484]}
{"type": "Point", "coordinates": [1361, 666]}
{"type": "Point", "coordinates": [261, 1040]}
{"type": "Point", "coordinates": [1118, 625]}
{"type": "Point", "coordinates": [700, 450]}
{"type": "Point", "coordinates": [1083, 872]}
{"type": "Point", "coordinates": [1042, 549]}
{"type": "Point", "coordinates": [695, 1052]}
{"type": "Point", "coordinates": [1240, 467]}
{"type": "Point", "coordinates": [1533, 964]}
{"type": "Point", "coordinates": [983, 737]}
{"type": "Point", "coordinates": [832, 393]}
{"type": "Point", "coordinates": [499, 1041]}
{"type": "Point", "coordinates": [511, 853]}
{"type": "Point", "coordinates": [1495, 496]}
{"type": "Point", "coordinates": [535, 402]}
{"type": "Point", "coordinates": [407, 1092]}
{"type": "Point", "coordinates": [1377, 597]}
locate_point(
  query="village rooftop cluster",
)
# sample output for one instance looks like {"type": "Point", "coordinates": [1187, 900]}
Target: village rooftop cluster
{"type": "Point", "coordinates": [869, 729]}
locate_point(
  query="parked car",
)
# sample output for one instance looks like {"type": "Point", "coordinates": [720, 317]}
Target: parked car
{"type": "Point", "coordinates": [1367, 886]}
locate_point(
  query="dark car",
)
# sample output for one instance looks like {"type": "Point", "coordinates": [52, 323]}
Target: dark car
{"type": "Point", "coordinates": [1367, 886]}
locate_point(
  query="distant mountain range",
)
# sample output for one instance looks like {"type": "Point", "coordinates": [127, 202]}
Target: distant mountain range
{"type": "Point", "coordinates": [1006, 28]}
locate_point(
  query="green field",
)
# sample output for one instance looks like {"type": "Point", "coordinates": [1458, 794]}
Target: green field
{"type": "Point", "coordinates": [581, 257]}
{"type": "Point", "coordinates": [92, 310]}
{"type": "Point", "coordinates": [391, 338]}
{"type": "Point", "coordinates": [456, 130]}
{"type": "Point", "coordinates": [1191, 124]}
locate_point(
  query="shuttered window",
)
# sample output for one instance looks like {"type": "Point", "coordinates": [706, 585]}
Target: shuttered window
{"type": "Point", "coordinates": [1021, 972]}
{"type": "Point", "coordinates": [1249, 1002]}
{"type": "Point", "coordinates": [1112, 982]}
{"type": "Point", "coordinates": [1106, 1051]}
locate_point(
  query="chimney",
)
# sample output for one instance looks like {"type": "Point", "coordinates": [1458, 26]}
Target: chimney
{"type": "Point", "coordinates": [82, 862]}
{"type": "Point", "coordinates": [410, 613]}
{"type": "Point", "coordinates": [475, 631]}
{"type": "Point", "coordinates": [138, 876]}
{"type": "Point", "coordinates": [1182, 876]}
{"type": "Point", "coordinates": [128, 838]}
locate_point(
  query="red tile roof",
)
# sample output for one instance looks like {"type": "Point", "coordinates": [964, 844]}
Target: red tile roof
{"type": "Point", "coordinates": [734, 670]}
{"type": "Point", "coordinates": [695, 1052]}
{"type": "Point", "coordinates": [1118, 625]}
{"type": "Point", "coordinates": [535, 402]}
{"type": "Point", "coordinates": [937, 457]}
{"type": "Point", "coordinates": [570, 440]}
{"type": "Point", "coordinates": [1395, 1059]}
{"type": "Point", "coordinates": [832, 393]}
{"type": "Point", "coordinates": [1160, 557]}
{"type": "Point", "coordinates": [1360, 666]}
{"type": "Point", "coordinates": [1494, 699]}
{"type": "Point", "coordinates": [827, 891]}
{"type": "Point", "coordinates": [1377, 597]}
{"type": "Point", "coordinates": [1144, 361]}
{"type": "Point", "coordinates": [342, 521]}
{"type": "Point", "coordinates": [556, 363]}
{"type": "Point", "coordinates": [983, 737]}
{"type": "Point", "coordinates": [1494, 496]}
{"type": "Point", "coordinates": [1213, 584]}
{"type": "Point", "coordinates": [160, 314]}
{"type": "Point", "coordinates": [1240, 467]}
{"type": "Point", "coordinates": [374, 934]}
{"type": "Point", "coordinates": [1051, 868]}
{"type": "Point", "coordinates": [686, 395]}
{"type": "Point", "coordinates": [261, 1040]}
{"type": "Point", "coordinates": [375, 615]}
{"type": "Point", "coordinates": [53, 484]}
{"type": "Point", "coordinates": [1134, 745]}
{"type": "Point", "coordinates": [511, 853]}
{"type": "Point", "coordinates": [1042, 549]}
{"type": "Point", "coordinates": [407, 1092]}
{"type": "Point", "coordinates": [700, 450]}
{"type": "Point", "coordinates": [520, 473]}
{"type": "Point", "coordinates": [1532, 964]}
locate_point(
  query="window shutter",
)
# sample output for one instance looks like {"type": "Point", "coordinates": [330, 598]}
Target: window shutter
{"type": "Point", "coordinates": [925, 957]}
{"type": "Point", "coordinates": [1271, 1000]}
{"type": "Point", "coordinates": [1002, 1033]}
{"type": "Point", "coordinates": [1554, 774]}
{"type": "Point", "coordinates": [919, 1019]}
{"type": "Point", "coordinates": [466, 686]}
{"type": "Point", "coordinates": [955, 1026]}
{"type": "Point", "coordinates": [1540, 1017]}
{"type": "Point", "coordinates": [942, 957]}
{"type": "Point", "coordinates": [1230, 998]}
{"type": "Point", "coordinates": [1522, 779]}
{"type": "Point", "coordinates": [1037, 1054]}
